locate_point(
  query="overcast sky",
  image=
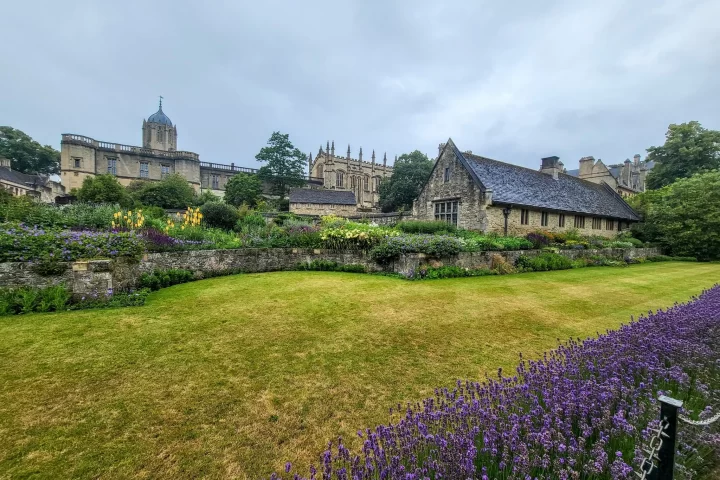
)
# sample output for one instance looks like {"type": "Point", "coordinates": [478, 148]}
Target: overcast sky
{"type": "Point", "coordinates": [515, 81]}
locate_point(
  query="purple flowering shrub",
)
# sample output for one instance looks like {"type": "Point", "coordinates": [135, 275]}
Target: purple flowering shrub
{"type": "Point", "coordinates": [581, 412]}
{"type": "Point", "coordinates": [20, 242]}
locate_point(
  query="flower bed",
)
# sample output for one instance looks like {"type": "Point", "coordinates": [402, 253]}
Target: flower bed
{"type": "Point", "coordinates": [582, 411]}
{"type": "Point", "coordinates": [19, 242]}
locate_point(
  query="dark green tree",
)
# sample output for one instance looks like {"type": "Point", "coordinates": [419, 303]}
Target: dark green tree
{"type": "Point", "coordinates": [172, 191]}
{"type": "Point", "coordinates": [27, 155]}
{"type": "Point", "coordinates": [243, 188]}
{"type": "Point", "coordinates": [689, 149]}
{"type": "Point", "coordinates": [206, 197]}
{"type": "Point", "coordinates": [684, 217]}
{"type": "Point", "coordinates": [285, 164]}
{"type": "Point", "coordinates": [103, 189]}
{"type": "Point", "coordinates": [410, 173]}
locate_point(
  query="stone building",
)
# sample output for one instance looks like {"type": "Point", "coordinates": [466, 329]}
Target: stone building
{"type": "Point", "coordinates": [306, 201]}
{"type": "Point", "coordinates": [626, 178]}
{"type": "Point", "coordinates": [82, 157]}
{"type": "Point", "coordinates": [41, 187]}
{"type": "Point", "coordinates": [356, 175]}
{"type": "Point", "coordinates": [478, 193]}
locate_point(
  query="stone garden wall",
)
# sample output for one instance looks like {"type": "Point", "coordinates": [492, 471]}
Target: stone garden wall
{"type": "Point", "coordinates": [86, 277]}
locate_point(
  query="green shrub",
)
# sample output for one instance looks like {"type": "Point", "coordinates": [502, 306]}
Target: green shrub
{"type": "Point", "coordinates": [250, 223]}
{"type": "Point", "coordinates": [437, 246]}
{"type": "Point", "coordinates": [153, 212]}
{"type": "Point", "coordinates": [449, 271]}
{"type": "Point", "coordinates": [15, 301]}
{"type": "Point", "coordinates": [330, 266]}
{"type": "Point", "coordinates": [158, 279]}
{"type": "Point", "coordinates": [425, 226]}
{"type": "Point", "coordinates": [543, 262]}
{"type": "Point", "coordinates": [77, 215]}
{"type": "Point", "coordinates": [219, 215]}
{"type": "Point", "coordinates": [110, 300]}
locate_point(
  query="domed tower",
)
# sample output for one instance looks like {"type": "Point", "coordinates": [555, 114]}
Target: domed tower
{"type": "Point", "coordinates": [159, 132]}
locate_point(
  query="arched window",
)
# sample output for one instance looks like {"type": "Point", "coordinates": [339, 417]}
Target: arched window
{"type": "Point", "coordinates": [159, 134]}
{"type": "Point", "coordinates": [352, 182]}
{"type": "Point", "coordinates": [320, 171]}
{"type": "Point", "coordinates": [376, 184]}
{"type": "Point", "coordinates": [366, 183]}
{"type": "Point", "coordinates": [340, 179]}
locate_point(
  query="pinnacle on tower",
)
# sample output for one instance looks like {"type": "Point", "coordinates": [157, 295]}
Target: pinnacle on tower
{"type": "Point", "coordinates": [320, 150]}
{"type": "Point", "coordinates": [360, 157]}
{"type": "Point", "coordinates": [332, 148]}
{"type": "Point", "coordinates": [327, 147]}
{"type": "Point", "coordinates": [373, 156]}
{"type": "Point", "coordinates": [348, 154]}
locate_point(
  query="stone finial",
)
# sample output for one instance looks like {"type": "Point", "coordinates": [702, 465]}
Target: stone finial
{"type": "Point", "coordinates": [320, 151]}
{"type": "Point", "coordinates": [327, 147]}
{"type": "Point", "coordinates": [360, 157]}
{"type": "Point", "coordinates": [332, 148]}
{"type": "Point", "coordinates": [348, 154]}
{"type": "Point", "coordinates": [373, 156]}
{"type": "Point", "coordinates": [310, 158]}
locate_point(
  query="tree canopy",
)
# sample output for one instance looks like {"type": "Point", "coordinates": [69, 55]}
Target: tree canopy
{"type": "Point", "coordinates": [243, 188]}
{"type": "Point", "coordinates": [684, 217]}
{"type": "Point", "coordinates": [172, 191]}
{"type": "Point", "coordinates": [410, 172]}
{"type": "Point", "coordinates": [689, 149]}
{"type": "Point", "coordinates": [27, 155]}
{"type": "Point", "coordinates": [285, 164]}
{"type": "Point", "coordinates": [103, 189]}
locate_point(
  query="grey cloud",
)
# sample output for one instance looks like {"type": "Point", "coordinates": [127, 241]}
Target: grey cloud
{"type": "Point", "coordinates": [514, 81]}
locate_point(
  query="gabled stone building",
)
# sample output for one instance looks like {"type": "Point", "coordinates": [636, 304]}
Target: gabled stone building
{"type": "Point", "coordinates": [345, 173]}
{"type": "Point", "coordinates": [479, 193]}
{"type": "Point", "coordinates": [626, 178]}
{"type": "Point", "coordinates": [40, 187]}
{"type": "Point", "coordinates": [306, 201]}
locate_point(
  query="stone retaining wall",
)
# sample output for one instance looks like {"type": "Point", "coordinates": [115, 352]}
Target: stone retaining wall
{"type": "Point", "coordinates": [85, 277]}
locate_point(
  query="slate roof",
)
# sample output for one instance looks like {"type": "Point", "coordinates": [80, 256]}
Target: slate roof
{"type": "Point", "coordinates": [520, 186]}
{"type": "Point", "coordinates": [19, 177]}
{"type": "Point", "coordinates": [326, 197]}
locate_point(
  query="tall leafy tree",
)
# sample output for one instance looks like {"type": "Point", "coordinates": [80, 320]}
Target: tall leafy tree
{"type": "Point", "coordinates": [103, 189]}
{"type": "Point", "coordinates": [410, 172]}
{"type": "Point", "coordinates": [243, 188]}
{"type": "Point", "coordinates": [689, 149]}
{"type": "Point", "coordinates": [684, 217]}
{"type": "Point", "coordinates": [27, 155]}
{"type": "Point", "coordinates": [172, 191]}
{"type": "Point", "coordinates": [285, 164]}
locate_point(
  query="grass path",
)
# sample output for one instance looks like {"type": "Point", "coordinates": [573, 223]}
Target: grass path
{"type": "Point", "coordinates": [230, 377]}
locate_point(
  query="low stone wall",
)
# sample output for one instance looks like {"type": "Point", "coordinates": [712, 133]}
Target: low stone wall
{"type": "Point", "coordinates": [86, 277]}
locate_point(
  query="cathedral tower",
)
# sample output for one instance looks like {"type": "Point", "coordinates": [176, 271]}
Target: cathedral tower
{"type": "Point", "coordinates": [159, 132]}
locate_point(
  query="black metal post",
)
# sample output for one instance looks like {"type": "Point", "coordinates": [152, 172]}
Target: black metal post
{"type": "Point", "coordinates": [669, 412]}
{"type": "Point", "coordinates": [506, 213]}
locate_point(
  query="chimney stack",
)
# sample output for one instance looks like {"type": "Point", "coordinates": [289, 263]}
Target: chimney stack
{"type": "Point", "coordinates": [551, 166]}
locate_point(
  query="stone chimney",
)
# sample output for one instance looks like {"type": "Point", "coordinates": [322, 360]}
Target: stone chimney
{"type": "Point", "coordinates": [5, 162]}
{"type": "Point", "coordinates": [551, 166]}
{"type": "Point", "coordinates": [637, 159]}
{"type": "Point", "coordinates": [586, 166]}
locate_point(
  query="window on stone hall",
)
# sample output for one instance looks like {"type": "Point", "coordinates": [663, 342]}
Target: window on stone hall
{"type": "Point", "coordinates": [597, 223]}
{"type": "Point", "coordinates": [366, 184]}
{"type": "Point", "coordinates": [76, 162]}
{"type": "Point", "coordinates": [561, 220]}
{"type": "Point", "coordinates": [144, 169]}
{"type": "Point", "coordinates": [352, 182]}
{"type": "Point", "coordinates": [340, 179]}
{"type": "Point", "coordinates": [609, 224]}
{"type": "Point", "coordinates": [376, 184]}
{"type": "Point", "coordinates": [447, 212]}
{"type": "Point", "coordinates": [215, 182]}
{"type": "Point", "coordinates": [524, 216]}
{"type": "Point", "coordinates": [579, 221]}
{"type": "Point", "coordinates": [112, 166]}
{"type": "Point", "coordinates": [446, 176]}
{"type": "Point", "coordinates": [544, 216]}
{"type": "Point", "coordinates": [164, 170]}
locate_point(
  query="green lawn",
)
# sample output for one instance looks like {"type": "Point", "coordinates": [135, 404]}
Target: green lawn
{"type": "Point", "coordinates": [230, 377]}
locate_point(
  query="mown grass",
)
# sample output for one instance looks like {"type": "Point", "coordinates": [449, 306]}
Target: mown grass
{"type": "Point", "coordinates": [230, 377]}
